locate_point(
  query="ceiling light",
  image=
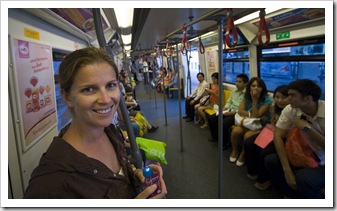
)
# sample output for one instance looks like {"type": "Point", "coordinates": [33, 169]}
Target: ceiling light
{"type": "Point", "coordinates": [254, 15]}
{"type": "Point", "coordinates": [126, 39]}
{"type": "Point", "coordinates": [124, 17]}
{"type": "Point", "coordinates": [203, 36]}
{"type": "Point", "coordinates": [127, 47]}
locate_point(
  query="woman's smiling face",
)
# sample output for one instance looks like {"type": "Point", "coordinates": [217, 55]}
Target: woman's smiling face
{"type": "Point", "coordinates": [94, 95]}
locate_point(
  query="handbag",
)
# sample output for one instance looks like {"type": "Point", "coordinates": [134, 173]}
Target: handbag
{"type": "Point", "coordinates": [140, 120]}
{"type": "Point", "coordinates": [298, 151]}
{"type": "Point", "coordinates": [204, 100]}
{"type": "Point", "coordinates": [247, 122]}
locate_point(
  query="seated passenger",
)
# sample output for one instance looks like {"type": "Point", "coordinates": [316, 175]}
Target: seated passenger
{"type": "Point", "coordinates": [194, 97]}
{"type": "Point", "coordinates": [213, 94]}
{"type": "Point", "coordinates": [254, 154]}
{"type": "Point", "coordinates": [231, 107]}
{"type": "Point", "coordinates": [150, 128]}
{"type": "Point", "coordinates": [134, 108]}
{"type": "Point", "coordinates": [256, 103]}
{"type": "Point", "coordinates": [307, 113]}
{"type": "Point", "coordinates": [173, 82]}
{"type": "Point", "coordinates": [160, 79]}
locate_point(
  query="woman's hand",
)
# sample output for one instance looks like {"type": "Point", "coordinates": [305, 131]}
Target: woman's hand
{"type": "Point", "coordinates": [149, 190]}
{"type": "Point", "coordinates": [255, 95]}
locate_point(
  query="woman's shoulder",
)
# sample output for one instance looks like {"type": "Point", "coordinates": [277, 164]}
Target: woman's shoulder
{"type": "Point", "coordinates": [268, 100]}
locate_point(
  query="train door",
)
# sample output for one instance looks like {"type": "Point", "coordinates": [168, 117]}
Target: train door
{"type": "Point", "coordinates": [190, 67]}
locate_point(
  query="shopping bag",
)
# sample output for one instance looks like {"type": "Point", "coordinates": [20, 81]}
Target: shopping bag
{"type": "Point", "coordinates": [140, 120]}
{"type": "Point", "coordinates": [154, 150]}
{"type": "Point", "coordinates": [266, 136]}
{"type": "Point", "coordinates": [298, 151]}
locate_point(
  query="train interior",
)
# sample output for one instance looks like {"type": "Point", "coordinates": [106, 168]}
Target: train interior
{"type": "Point", "coordinates": [196, 168]}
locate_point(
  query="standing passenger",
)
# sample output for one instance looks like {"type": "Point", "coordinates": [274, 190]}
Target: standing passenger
{"type": "Point", "coordinates": [296, 182]}
{"type": "Point", "coordinates": [194, 98]}
{"type": "Point", "coordinates": [87, 159]}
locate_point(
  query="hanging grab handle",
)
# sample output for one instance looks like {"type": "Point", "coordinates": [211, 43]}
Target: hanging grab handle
{"type": "Point", "coordinates": [230, 27]}
{"type": "Point", "coordinates": [184, 42]}
{"type": "Point", "coordinates": [263, 26]}
{"type": "Point", "coordinates": [201, 46]}
{"type": "Point", "coordinates": [168, 47]}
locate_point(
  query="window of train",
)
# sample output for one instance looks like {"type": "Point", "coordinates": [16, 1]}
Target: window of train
{"type": "Point", "coordinates": [63, 113]}
{"type": "Point", "coordinates": [285, 62]}
{"type": "Point", "coordinates": [235, 61]}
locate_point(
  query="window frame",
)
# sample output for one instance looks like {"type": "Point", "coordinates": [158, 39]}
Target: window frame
{"type": "Point", "coordinates": [295, 58]}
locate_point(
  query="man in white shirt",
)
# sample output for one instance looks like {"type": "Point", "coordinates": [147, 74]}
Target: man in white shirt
{"type": "Point", "coordinates": [307, 113]}
{"type": "Point", "coordinates": [195, 97]}
{"type": "Point", "coordinates": [232, 106]}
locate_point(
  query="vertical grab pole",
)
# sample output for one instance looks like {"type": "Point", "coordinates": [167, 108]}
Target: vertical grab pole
{"type": "Point", "coordinates": [179, 101]}
{"type": "Point", "coordinates": [189, 88]}
{"type": "Point", "coordinates": [163, 81]}
{"type": "Point", "coordinates": [136, 156]}
{"type": "Point", "coordinates": [220, 119]}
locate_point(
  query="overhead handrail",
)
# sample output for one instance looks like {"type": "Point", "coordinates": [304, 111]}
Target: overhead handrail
{"type": "Point", "coordinates": [201, 46]}
{"type": "Point", "coordinates": [263, 27]}
{"type": "Point", "coordinates": [231, 27]}
{"type": "Point", "coordinates": [184, 42]}
{"type": "Point", "coordinates": [196, 20]}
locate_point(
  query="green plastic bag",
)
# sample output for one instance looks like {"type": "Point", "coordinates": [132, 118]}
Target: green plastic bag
{"type": "Point", "coordinates": [154, 150]}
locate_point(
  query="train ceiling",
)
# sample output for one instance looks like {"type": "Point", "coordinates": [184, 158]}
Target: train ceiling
{"type": "Point", "coordinates": [151, 26]}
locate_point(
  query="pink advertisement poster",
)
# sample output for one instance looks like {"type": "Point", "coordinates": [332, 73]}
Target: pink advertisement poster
{"type": "Point", "coordinates": [34, 79]}
{"type": "Point", "coordinates": [211, 60]}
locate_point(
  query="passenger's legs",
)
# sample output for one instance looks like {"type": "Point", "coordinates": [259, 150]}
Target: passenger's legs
{"type": "Point", "coordinates": [187, 106]}
{"type": "Point", "coordinates": [252, 155]}
{"type": "Point", "coordinates": [228, 122]}
{"type": "Point", "coordinates": [213, 126]}
{"type": "Point", "coordinates": [191, 110]}
{"type": "Point", "coordinates": [135, 128]}
{"type": "Point", "coordinates": [310, 181]}
{"type": "Point", "coordinates": [263, 174]}
{"type": "Point", "coordinates": [236, 135]}
{"type": "Point", "coordinates": [274, 167]}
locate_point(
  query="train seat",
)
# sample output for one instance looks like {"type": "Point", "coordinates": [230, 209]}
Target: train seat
{"type": "Point", "coordinates": [226, 95]}
{"type": "Point", "coordinates": [173, 89]}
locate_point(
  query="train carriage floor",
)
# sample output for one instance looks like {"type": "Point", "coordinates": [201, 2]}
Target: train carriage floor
{"type": "Point", "coordinates": [192, 173]}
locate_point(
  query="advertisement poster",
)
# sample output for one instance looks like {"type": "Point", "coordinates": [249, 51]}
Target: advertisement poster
{"type": "Point", "coordinates": [82, 18]}
{"type": "Point", "coordinates": [211, 60]}
{"type": "Point", "coordinates": [35, 92]}
{"type": "Point", "coordinates": [293, 17]}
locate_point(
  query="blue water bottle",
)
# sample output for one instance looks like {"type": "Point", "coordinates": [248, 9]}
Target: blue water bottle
{"type": "Point", "coordinates": [150, 179]}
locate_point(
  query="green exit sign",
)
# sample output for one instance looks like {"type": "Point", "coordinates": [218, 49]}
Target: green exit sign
{"type": "Point", "coordinates": [282, 35]}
